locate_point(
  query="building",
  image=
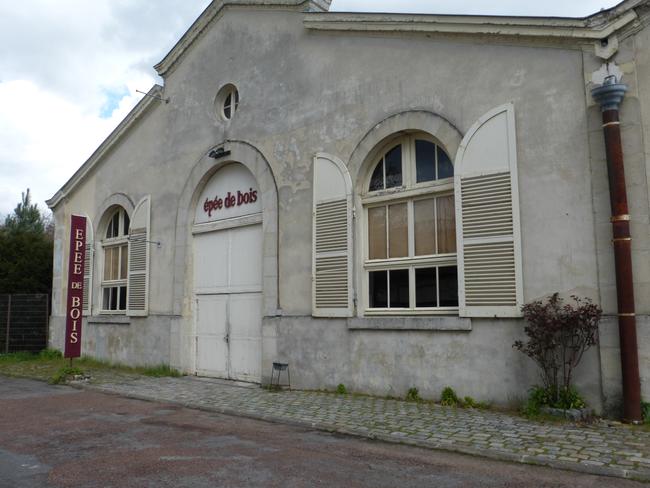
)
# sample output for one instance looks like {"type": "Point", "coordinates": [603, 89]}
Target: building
{"type": "Point", "coordinates": [292, 193]}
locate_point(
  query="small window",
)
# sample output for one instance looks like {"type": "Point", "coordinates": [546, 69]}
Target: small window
{"type": "Point", "coordinates": [227, 101]}
{"type": "Point", "coordinates": [115, 247]}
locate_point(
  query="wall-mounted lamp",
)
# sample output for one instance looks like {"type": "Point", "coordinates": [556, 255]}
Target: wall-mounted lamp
{"type": "Point", "coordinates": [218, 153]}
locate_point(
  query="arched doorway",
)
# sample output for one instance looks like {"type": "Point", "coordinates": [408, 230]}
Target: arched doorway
{"type": "Point", "coordinates": [227, 292]}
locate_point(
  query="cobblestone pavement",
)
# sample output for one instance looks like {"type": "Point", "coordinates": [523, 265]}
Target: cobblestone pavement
{"type": "Point", "coordinates": [617, 450]}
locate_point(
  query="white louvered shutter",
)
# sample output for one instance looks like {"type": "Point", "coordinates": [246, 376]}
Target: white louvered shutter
{"type": "Point", "coordinates": [332, 238]}
{"type": "Point", "coordinates": [487, 218]}
{"type": "Point", "coordinates": [137, 302]}
{"type": "Point", "coordinates": [88, 269]}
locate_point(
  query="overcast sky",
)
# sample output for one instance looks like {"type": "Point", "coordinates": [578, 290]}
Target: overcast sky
{"type": "Point", "coordinates": [69, 70]}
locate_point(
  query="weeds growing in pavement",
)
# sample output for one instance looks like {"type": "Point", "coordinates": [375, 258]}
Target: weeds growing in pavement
{"type": "Point", "coordinates": [413, 395]}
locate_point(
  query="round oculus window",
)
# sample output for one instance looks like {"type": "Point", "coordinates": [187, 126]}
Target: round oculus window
{"type": "Point", "coordinates": [227, 101]}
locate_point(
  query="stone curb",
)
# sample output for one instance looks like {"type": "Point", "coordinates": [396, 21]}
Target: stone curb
{"type": "Point", "coordinates": [332, 428]}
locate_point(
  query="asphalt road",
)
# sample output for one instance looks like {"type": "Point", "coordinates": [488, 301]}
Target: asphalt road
{"type": "Point", "coordinates": [61, 437]}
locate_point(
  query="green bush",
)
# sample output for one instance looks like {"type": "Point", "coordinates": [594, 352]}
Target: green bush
{"type": "Point", "coordinates": [469, 402]}
{"type": "Point", "coordinates": [449, 397]}
{"type": "Point", "coordinates": [645, 410]}
{"type": "Point", "coordinates": [558, 336]}
{"type": "Point", "coordinates": [413, 395]}
{"type": "Point", "coordinates": [61, 376]}
{"type": "Point", "coordinates": [570, 398]}
{"type": "Point", "coordinates": [539, 397]}
{"type": "Point", "coordinates": [341, 389]}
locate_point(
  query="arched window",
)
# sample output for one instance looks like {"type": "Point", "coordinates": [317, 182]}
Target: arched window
{"type": "Point", "coordinates": [410, 226]}
{"type": "Point", "coordinates": [114, 274]}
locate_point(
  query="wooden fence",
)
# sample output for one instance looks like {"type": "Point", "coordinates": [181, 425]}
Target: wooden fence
{"type": "Point", "coordinates": [24, 320]}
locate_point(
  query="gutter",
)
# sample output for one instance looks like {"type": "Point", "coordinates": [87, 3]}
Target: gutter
{"type": "Point", "coordinates": [609, 96]}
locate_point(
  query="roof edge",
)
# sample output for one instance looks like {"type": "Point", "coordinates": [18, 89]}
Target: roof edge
{"type": "Point", "coordinates": [154, 95]}
{"type": "Point", "coordinates": [592, 28]}
{"type": "Point", "coordinates": [215, 9]}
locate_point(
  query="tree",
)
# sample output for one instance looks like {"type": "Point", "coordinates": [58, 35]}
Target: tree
{"type": "Point", "coordinates": [26, 217]}
{"type": "Point", "coordinates": [26, 249]}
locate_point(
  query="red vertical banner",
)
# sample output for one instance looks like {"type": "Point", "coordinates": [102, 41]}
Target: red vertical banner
{"type": "Point", "coordinates": [74, 309]}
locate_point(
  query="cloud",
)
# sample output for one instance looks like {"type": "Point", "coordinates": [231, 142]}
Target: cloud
{"type": "Point", "coordinates": [68, 74]}
{"type": "Point", "coordinates": [45, 138]}
{"type": "Point", "coordinates": [575, 8]}
{"type": "Point", "coordinates": [69, 70]}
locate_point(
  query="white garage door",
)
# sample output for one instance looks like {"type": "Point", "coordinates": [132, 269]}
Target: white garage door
{"type": "Point", "coordinates": [228, 294]}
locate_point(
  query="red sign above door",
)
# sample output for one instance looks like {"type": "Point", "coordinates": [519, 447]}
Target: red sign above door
{"type": "Point", "coordinates": [229, 201]}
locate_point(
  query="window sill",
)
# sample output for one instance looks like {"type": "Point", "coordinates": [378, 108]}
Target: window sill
{"type": "Point", "coordinates": [410, 323]}
{"type": "Point", "coordinates": [109, 319]}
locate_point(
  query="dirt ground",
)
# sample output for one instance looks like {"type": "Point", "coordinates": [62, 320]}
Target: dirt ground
{"type": "Point", "coordinates": [61, 437]}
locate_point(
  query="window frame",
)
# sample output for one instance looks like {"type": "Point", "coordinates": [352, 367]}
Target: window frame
{"type": "Point", "coordinates": [121, 242]}
{"type": "Point", "coordinates": [409, 192]}
{"type": "Point", "coordinates": [232, 94]}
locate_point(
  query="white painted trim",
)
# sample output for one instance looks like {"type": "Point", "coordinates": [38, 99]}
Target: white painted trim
{"type": "Point", "coordinates": [228, 290]}
{"type": "Point", "coordinates": [580, 30]}
{"type": "Point", "coordinates": [341, 166]}
{"type": "Point", "coordinates": [242, 221]}
{"type": "Point", "coordinates": [90, 244]}
{"type": "Point", "coordinates": [380, 312]}
{"type": "Point", "coordinates": [492, 312]}
{"type": "Point", "coordinates": [418, 261]}
{"type": "Point", "coordinates": [143, 205]}
{"type": "Point", "coordinates": [516, 214]}
{"type": "Point", "coordinates": [439, 187]}
{"type": "Point", "coordinates": [349, 310]}
{"type": "Point", "coordinates": [110, 206]}
{"type": "Point", "coordinates": [412, 323]}
{"type": "Point", "coordinates": [458, 164]}
{"type": "Point", "coordinates": [495, 311]}
{"type": "Point", "coordinates": [411, 191]}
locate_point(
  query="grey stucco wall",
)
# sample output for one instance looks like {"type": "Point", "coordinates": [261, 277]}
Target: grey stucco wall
{"type": "Point", "coordinates": [480, 362]}
{"type": "Point", "coordinates": [136, 341]}
{"type": "Point", "coordinates": [304, 92]}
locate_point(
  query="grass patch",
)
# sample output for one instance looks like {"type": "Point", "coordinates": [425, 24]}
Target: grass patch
{"type": "Point", "coordinates": [50, 354]}
{"type": "Point", "coordinates": [49, 365]}
{"type": "Point", "coordinates": [16, 357]}
{"type": "Point", "coordinates": [162, 370]}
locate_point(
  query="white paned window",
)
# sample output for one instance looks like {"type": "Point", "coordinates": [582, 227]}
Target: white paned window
{"type": "Point", "coordinates": [230, 103]}
{"type": "Point", "coordinates": [115, 263]}
{"type": "Point", "coordinates": [410, 230]}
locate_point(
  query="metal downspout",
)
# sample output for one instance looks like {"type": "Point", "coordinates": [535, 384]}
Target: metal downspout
{"type": "Point", "coordinates": [610, 95]}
